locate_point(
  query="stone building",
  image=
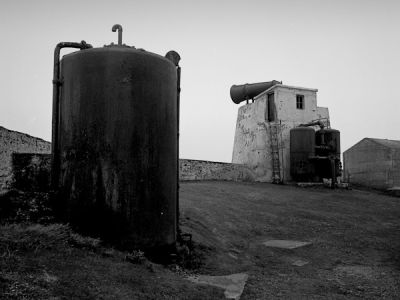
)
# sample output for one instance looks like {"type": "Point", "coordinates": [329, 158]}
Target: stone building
{"type": "Point", "coordinates": [373, 163]}
{"type": "Point", "coordinates": [17, 142]}
{"type": "Point", "coordinates": [263, 129]}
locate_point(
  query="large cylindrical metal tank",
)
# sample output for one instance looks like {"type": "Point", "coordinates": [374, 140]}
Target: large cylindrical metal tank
{"type": "Point", "coordinates": [302, 148]}
{"type": "Point", "coordinates": [117, 144]}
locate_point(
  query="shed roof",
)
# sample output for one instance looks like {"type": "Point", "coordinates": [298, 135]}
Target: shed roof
{"type": "Point", "coordinates": [391, 144]}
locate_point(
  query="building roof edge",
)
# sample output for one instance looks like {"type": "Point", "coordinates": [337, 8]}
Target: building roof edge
{"type": "Point", "coordinates": [285, 86]}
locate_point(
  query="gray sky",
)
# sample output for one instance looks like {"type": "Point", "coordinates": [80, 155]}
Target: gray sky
{"type": "Point", "coordinates": [348, 49]}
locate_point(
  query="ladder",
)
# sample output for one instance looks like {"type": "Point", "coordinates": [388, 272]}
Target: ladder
{"type": "Point", "coordinates": [274, 130]}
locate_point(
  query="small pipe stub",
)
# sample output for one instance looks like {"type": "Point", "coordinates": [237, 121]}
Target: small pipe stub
{"type": "Point", "coordinates": [119, 28]}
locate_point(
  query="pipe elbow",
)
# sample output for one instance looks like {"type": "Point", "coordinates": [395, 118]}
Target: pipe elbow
{"type": "Point", "coordinates": [116, 27]}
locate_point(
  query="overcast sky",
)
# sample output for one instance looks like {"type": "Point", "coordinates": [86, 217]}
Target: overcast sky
{"type": "Point", "coordinates": [348, 49]}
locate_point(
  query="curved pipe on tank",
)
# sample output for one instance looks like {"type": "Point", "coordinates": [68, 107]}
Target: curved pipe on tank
{"type": "Point", "coordinates": [247, 91]}
{"type": "Point", "coordinates": [315, 123]}
{"type": "Point", "coordinates": [56, 102]}
{"type": "Point", "coordinates": [119, 28]}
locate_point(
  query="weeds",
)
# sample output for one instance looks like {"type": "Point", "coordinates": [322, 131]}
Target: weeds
{"type": "Point", "coordinates": [25, 207]}
{"type": "Point", "coordinates": [136, 257]}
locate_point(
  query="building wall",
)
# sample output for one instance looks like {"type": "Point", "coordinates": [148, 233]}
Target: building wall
{"type": "Point", "coordinates": [13, 141]}
{"type": "Point", "coordinates": [373, 165]}
{"type": "Point", "coordinates": [252, 143]}
{"type": "Point", "coordinates": [285, 99]}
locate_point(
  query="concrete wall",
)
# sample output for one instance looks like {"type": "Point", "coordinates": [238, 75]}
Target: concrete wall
{"type": "Point", "coordinates": [371, 164]}
{"type": "Point", "coordinates": [13, 141]}
{"type": "Point", "coordinates": [252, 144]}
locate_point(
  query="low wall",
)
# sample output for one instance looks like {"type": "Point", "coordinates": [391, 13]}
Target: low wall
{"type": "Point", "coordinates": [191, 169]}
{"type": "Point", "coordinates": [17, 142]}
{"type": "Point", "coordinates": [31, 171]}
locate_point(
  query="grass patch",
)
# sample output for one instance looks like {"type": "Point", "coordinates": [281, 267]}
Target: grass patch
{"type": "Point", "coordinates": [22, 275]}
{"type": "Point", "coordinates": [43, 259]}
{"type": "Point", "coordinates": [25, 207]}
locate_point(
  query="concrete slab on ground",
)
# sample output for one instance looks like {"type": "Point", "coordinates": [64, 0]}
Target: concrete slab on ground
{"type": "Point", "coordinates": [286, 244]}
{"type": "Point", "coordinates": [299, 263]}
{"type": "Point", "coordinates": [233, 284]}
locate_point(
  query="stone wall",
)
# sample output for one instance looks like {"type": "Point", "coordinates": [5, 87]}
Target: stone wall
{"type": "Point", "coordinates": [17, 142]}
{"type": "Point", "coordinates": [209, 170]}
{"type": "Point", "coordinates": [31, 172]}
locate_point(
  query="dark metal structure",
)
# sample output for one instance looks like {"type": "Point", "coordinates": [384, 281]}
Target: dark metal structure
{"type": "Point", "coordinates": [302, 147]}
{"type": "Point", "coordinates": [314, 155]}
{"type": "Point", "coordinates": [240, 93]}
{"type": "Point", "coordinates": [115, 142]}
{"type": "Point", "coordinates": [327, 141]}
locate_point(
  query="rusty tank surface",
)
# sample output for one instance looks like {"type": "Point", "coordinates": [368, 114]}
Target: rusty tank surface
{"type": "Point", "coordinates": [115, 143]}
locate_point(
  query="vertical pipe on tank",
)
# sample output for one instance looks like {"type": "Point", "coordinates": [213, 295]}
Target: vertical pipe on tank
{"type": "Point", "coordinates": [175, 58]}
{"type": "Point", "coordinates": [177, 151]}
{"type": "Point", "coordinates": [56, 102]}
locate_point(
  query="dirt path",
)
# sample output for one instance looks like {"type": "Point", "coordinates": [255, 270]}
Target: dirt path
{"type": "Point", "coordinates": [355, 237]}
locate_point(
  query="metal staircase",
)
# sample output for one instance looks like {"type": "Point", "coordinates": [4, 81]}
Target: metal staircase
{"type": "Point", "coordinates": [274, 131]}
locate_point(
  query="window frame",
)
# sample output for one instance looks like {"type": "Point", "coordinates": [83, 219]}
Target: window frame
{"type": "Point", "coordinates": [271, 107]}
{"type": "Point", "coordinates": [300, 103]}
